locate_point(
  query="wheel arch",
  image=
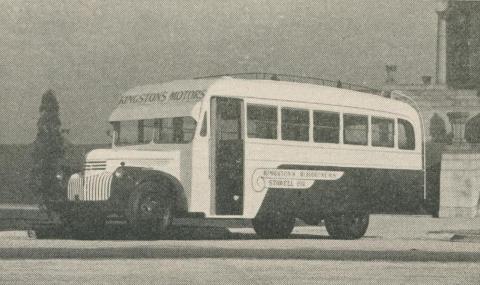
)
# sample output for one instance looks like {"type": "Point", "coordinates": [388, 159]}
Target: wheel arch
{"type": "Point", "coordinates": [171, 181]}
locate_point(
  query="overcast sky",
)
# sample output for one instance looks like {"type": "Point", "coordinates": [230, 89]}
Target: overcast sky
{"type": "Point", "coordinates": [89, 52]}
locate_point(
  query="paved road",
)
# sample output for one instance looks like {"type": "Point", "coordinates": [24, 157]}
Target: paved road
{"type": "Point", "coordinates": [306, 243]}
{"type": "Point", "coordinates": [396, 250]}
{"type": "Point", "coordinates": [234, 271]}
{"type": "Point", "coordinates": [385, 226]}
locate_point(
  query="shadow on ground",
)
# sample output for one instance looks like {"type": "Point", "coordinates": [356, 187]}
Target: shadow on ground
{"type": "Point", "coordinates": [121, 232]}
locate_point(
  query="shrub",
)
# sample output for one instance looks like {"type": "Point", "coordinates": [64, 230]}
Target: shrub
{"type": "Point", "coordinates": [438, 132]}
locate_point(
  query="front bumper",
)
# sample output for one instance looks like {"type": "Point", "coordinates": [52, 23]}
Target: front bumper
{"type": "Point", "coordinates": [87, 209]}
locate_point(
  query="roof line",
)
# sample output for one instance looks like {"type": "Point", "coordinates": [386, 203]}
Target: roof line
{"type": "Point", "coordinates": [299, 79]}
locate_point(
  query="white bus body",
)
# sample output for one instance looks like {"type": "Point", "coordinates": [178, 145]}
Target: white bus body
{"type": "Point", "coordinates": [235, 148]}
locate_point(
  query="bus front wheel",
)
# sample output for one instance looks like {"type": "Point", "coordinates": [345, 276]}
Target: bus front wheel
{"type": "Point", "coordinates": [274, 225]}
{"type": "Point", "coordinates": [347, 226]}
{"type": "Point", "coordinates": [150, 210]}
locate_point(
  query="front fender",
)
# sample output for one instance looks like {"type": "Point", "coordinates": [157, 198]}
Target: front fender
{"type": "Point", "coordinates": [123, 187]}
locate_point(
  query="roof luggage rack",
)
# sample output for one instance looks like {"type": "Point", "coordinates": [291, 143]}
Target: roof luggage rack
{"type": "Point", "coordinates": [300, 79]}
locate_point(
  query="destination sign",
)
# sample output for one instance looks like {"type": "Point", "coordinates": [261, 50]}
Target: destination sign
{"type": "Point", "coordinates": [290, 178]}
{"type": "Point", "coordinates": [162, 97]}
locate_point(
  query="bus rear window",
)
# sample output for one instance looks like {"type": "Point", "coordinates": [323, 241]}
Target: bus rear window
{"type": "Point", "coordinates": [406, 135]}
{"type": "Point", "coordinates": [161, 131]}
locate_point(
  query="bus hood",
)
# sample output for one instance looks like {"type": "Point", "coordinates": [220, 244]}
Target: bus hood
{"type": "Point", "coordinates": [110, 159]}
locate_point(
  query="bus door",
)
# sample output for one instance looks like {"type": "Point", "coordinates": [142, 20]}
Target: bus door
{"type": "Point", "coordinates": [228, 156]}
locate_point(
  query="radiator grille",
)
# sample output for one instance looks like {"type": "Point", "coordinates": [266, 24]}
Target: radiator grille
{"type": "Point", "coordinates": [94, 165]}
{"type": "Point", "coordinates": [94, 187]}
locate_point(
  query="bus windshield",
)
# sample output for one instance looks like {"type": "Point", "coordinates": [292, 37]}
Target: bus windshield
{"type": "Point", "coordinates": [177, 130]}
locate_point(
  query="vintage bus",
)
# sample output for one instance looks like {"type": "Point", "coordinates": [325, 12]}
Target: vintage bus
{"type": "Point", "coordinates": [270, 151]}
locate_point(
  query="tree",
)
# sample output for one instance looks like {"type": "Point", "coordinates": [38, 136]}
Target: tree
{"type": "Point", "coordinates": [48, 150]}
{"type": "Point", "coordinates": [438, 131]}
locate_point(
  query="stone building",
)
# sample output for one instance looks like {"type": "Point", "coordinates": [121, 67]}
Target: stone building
{"type": "Point", "coordinates": [457, 81]}
{"type": "Point", "coordinates": [462, 20]}
{"type": "Point", "coordinates": [450, 107]}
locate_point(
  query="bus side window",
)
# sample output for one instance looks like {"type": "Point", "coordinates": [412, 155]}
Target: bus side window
{"type": "Point", "coordinates": [326, 127]}
{"type": "Point", "coordinates": [262, 121]}
{"type": "Point", "coordinates": [355, 129]}
{"type": "Point", "coordinates": [295, 124]}
{"type": "Point", "coordinates": [382, 132]}
{"type": "Point", "coordinates": [203, 130]}
{"type": "Point", "coordinates": [406, 135]}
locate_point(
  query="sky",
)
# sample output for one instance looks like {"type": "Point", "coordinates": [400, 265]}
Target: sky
{"type": "Point", "coordinates": [89, 52]}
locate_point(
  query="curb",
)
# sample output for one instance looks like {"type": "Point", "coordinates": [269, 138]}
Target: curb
{"type": "Point", "coordinates": [28, 234]}
{"type": "Point", "coordinates": [23, 207]}
{"type": "Point", "coordinates": [474, 238]}
{"type": "Point", "coordinates": [439, 236]}
{"type": "Point", "coordinates": [279, 254]}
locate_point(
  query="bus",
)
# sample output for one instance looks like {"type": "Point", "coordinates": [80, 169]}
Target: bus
{"type": "Point", "coordinates": [264, 150]}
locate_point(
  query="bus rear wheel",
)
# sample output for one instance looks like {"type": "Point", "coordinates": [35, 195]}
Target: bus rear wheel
{"type": "Point", "coordinates": [150, 211]}
{"type": "Point", "coordinates": [274, 225]}
{"type": "Point", "coordinates": [347, 226]}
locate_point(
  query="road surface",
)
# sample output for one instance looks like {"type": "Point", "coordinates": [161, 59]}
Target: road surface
{"type": "Point", "coordinates": [234, 271]}
{"type": "Point", "coordinates": [395, 250]}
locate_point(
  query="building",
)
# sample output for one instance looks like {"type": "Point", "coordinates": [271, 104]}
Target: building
{"type": "Point", "coordinates": [454, 94]}
{"type": "Point", "coordinates": [462, 44]}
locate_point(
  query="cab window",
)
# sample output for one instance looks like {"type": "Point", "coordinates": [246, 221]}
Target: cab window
{"type": "Point", "coordinates": [160, 131]}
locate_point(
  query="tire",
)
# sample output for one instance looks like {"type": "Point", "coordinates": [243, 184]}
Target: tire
{"type": "Point", "coordinates": [274, 225]}
{"type": "Point", "coordinates": [89, 227]}
{"type": "Point", "coordinates": [347, 226]}
{"type": "Point", "coordinates": [150, 210]}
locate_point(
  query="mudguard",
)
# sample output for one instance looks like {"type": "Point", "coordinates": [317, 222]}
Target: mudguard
{"type": "Point", "coordinates": [134, 176]}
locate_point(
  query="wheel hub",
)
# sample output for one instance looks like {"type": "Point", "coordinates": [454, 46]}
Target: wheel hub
{"type": "Point", "coordinates": [149, 207]}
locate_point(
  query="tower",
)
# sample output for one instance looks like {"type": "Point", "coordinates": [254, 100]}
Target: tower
{"type": "Point", "coordinates": [458, 44]}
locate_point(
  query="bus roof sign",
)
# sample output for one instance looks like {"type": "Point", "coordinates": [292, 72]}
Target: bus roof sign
{"type": "Point", "coordinates": [173, 99]}
{"type": "Point", "coordinates": [163, 97]}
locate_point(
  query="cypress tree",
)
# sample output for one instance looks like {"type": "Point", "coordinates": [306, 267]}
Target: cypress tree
{"type": "Point", "coordinates": [48, 150]}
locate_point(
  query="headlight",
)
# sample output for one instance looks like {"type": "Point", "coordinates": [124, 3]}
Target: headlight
{"type": "Point", "coordinates": [120, 172]}
{"type": "Point", "coordinates": [60, 175]}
